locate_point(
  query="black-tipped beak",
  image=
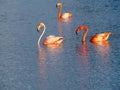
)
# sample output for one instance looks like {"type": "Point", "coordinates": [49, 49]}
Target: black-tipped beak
{"type": "Point", "coordinates": [56, 5]}
{"type": "Point", "coordinates": [37, 29]}
{"type": "Point", "coordinates": [76, 32]}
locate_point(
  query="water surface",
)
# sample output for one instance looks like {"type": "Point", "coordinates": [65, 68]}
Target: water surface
{"type": "Point", "coordinates": [72, 66]}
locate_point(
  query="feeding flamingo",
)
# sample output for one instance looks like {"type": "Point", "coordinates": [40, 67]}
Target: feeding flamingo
{"type": "Point", "coordinates": [96, 38]}
{"type": "Point", "coordinates": [64, 15]}
{"type": "Point", "coordinates": [51, 39]}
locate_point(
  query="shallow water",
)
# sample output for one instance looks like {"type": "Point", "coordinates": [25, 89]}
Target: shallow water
{"type": "Point", "coordinates": [71, 66]}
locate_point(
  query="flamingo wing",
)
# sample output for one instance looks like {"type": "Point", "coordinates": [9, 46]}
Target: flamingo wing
{"type": "Point", "coordinates": [66, 15]}
{"type": "Point", "coordinates": [53, 40]}
{"type": "Point", "coordinates": [101, 37]}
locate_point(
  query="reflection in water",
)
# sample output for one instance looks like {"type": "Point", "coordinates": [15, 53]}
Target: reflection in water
{"type": "Point", "coordinates": [103, 64]}
{"type": "Point", "coordinates": [82, 51]}
{"type": "Point", "coordinates": [66, 20]}
{"type": "Point", "coordinates": [103, 52]}
{"type": "Point", "coordinates": [60, 27]}
{"type": "Point", "coordinates": [102, 48]}
{"type": "Point", "coordinates": [54, 52]}
{"type": "Point", "coordinates": [64, 24]}
{"type": "Point", "coordinates": [17, 51]}
{"type": "Point", "coordinates": [42, 63]}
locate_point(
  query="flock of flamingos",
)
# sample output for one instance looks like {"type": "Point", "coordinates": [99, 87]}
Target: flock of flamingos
{"type": "Point", "coordinates": [57, 40]}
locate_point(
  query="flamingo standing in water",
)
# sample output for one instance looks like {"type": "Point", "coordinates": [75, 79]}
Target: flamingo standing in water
{"type": "Point", "coordinates": [64, 15]}
{"type": "Point", "coordinates": [96, 38]}
{"type": "Point", "coordinates": [50, 40]}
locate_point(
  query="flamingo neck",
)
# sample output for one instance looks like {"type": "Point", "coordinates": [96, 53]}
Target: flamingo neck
{"type": "Point", "coordinates": [107, 34]}
{"type": "Point", "coordinates": [85, 33]}
{"type": "Point", "coordinates": [60, 11]}
{"type": "Point", "coordinates": [41, 34]}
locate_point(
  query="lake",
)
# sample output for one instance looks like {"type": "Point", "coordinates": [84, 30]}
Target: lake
{"type": "Point", "coordinates": [71, 66]}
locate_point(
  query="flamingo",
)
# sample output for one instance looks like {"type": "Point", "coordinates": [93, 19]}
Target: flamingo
{"type": "Point", "coordinates": [50, 40]}
{"type": "Point", "coordinates": [64, 15]}
{"type": "Point", "coordinates": [96, 38]}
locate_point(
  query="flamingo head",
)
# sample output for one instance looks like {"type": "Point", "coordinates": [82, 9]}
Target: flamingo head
{"type": "Point", "coordinates": [58, 4]}
{"type": "Point", "coordinates": [79, 29]}
{"type": "Point", "coordinates": [40, 26]}
{"type": "Point", "coordinates": [108, 33]}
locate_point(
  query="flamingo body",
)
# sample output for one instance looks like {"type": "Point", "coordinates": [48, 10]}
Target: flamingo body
{"type": "Point", "coordinates": [64, 15]}
{"type": "Point", "coordinates": [50, 40]}
{"type": "Point", "coordinates": [100, 37]}
{"type": "Point", "coordinates": [53, 40]}
{"type": "Point", "coordinates": [96, 38]}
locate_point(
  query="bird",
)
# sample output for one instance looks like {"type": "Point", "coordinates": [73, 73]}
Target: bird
{"type": "Point", "coordinates": [64, 15]}
{"type": "Point", "coordinates": [96, 38]}
{"type": "Point", "coordinates": [51, 40]}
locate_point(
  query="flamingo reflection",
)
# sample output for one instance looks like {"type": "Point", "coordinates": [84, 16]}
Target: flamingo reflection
{"type": "Point", "coordinates": [103, 59]}
{"type": "Point", "coordinates": [55, 52]}
{"type": "Point", "coordinates": [60, 27]}
{"type": "Point", "coordinates": [83, 55]}
{"type": "Point", "coordinates": [42, 64]}
{"type": "Point", "coordinates": [83, 49]}
{"type": "Point", "coordinates": [102, 48]}
{"type": "Point", "coordinates": [66, 26]}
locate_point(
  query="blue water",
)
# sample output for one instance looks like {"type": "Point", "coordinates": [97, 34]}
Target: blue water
{"type": "Point", "coordinates": [73, 66]}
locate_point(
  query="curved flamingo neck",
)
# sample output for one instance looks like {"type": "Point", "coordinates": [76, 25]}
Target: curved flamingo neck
{"type": "Point", "coordinates": [60, 11]}
{"type": "Point", "coordinates": [41, 34]}
{"type": "Point", "coordinates": [85, 33]}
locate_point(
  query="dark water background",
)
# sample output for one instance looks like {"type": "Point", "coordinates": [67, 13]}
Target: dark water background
{"type": "Point", "coordinates": [73, 66]}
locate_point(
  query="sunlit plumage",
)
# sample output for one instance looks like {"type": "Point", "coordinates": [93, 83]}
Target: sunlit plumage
{"type": "Point", "coordinates": [64, 15]}
{"type": "Point", "coordinates": [96, 38]}
{"type": "Point", "coordinates": [50, 40]}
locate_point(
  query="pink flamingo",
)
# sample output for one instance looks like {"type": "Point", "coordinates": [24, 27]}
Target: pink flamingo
{"type": "Point", "coordinates": [96, 38]}
{"type": "Point", "coordinates": [50, 40]}
{"type": "Point", "coordinates": [64, 15]}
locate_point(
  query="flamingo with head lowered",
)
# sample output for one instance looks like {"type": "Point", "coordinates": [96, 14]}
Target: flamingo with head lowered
{"type": "Point", "coordinates": [96, 38]}
{"type": "Point", "coordinates": [50, 40]}
{"type": "Point", "coordinates": [64, 15]}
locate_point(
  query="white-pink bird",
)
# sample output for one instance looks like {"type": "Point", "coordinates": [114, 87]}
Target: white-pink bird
{"type": "Point", "coordinates": [51, 39]}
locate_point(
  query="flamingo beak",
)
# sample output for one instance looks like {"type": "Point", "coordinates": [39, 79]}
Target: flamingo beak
{"type": "Point", "coordinates": [77, 31]}
{"type": "Point", "coordinates": [56, 5]}
{"type": "Point", "coordinates": [38, 28]}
